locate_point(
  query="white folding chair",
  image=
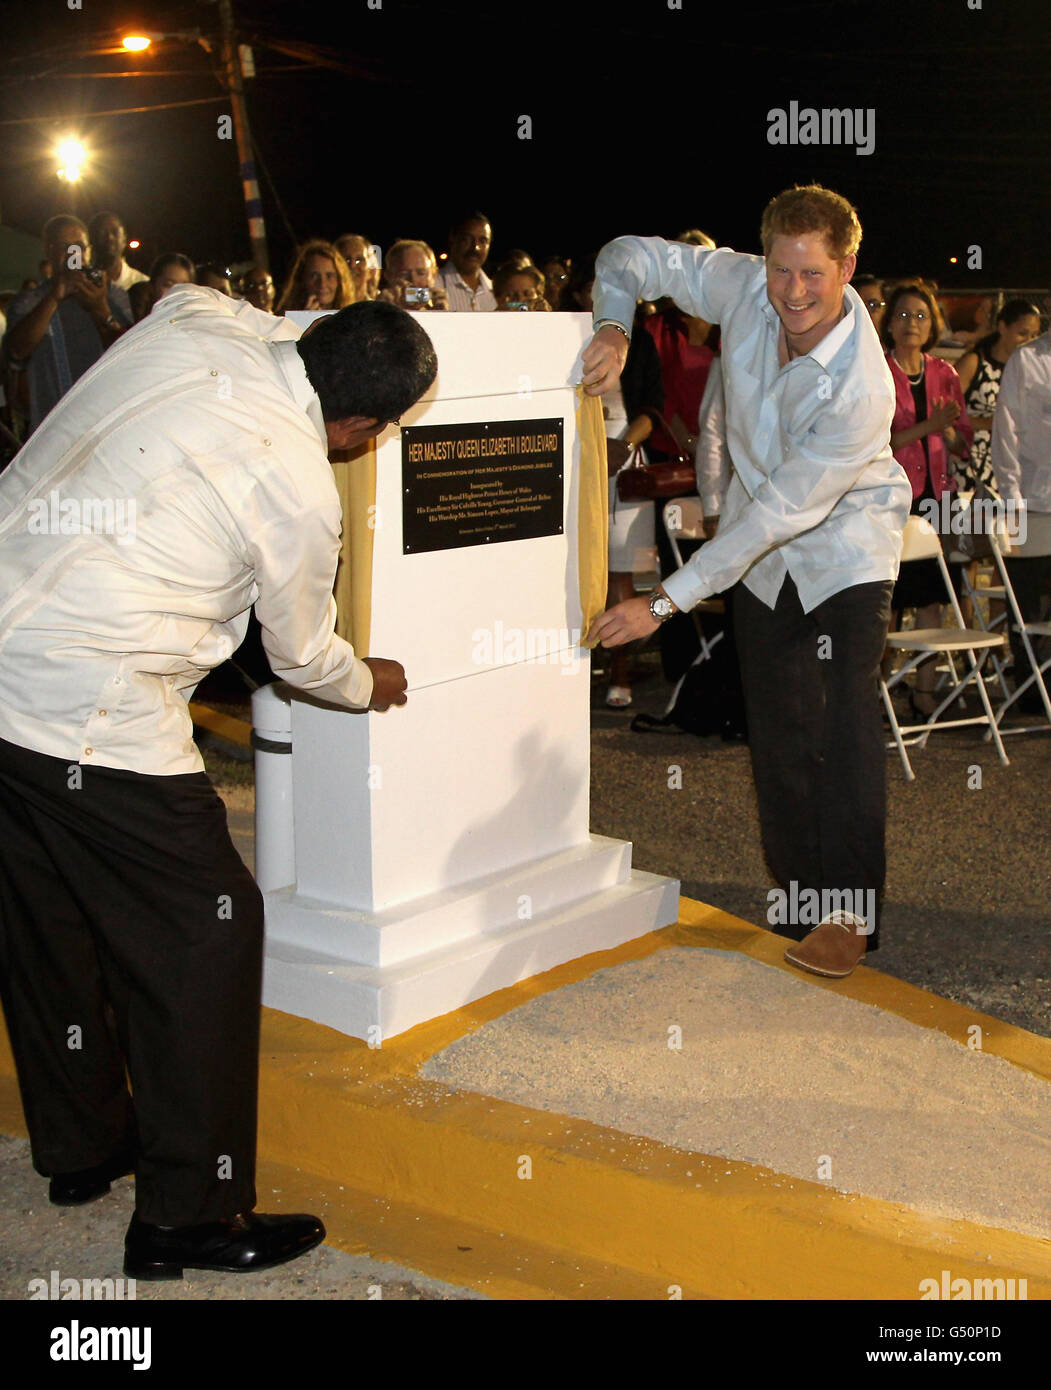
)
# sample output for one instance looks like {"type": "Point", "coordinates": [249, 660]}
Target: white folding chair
{"type": "Point", "coordinates": [683, 520]}
{"type": "Point", "coordinates": [1036, 669]}
{"type": "Point", "coordinates": [977, 597]}
{"type": "Point", "coordinates": [922, 542]}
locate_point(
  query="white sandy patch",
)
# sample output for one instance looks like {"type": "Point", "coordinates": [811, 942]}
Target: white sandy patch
{"type": "Point", "coordinates": [776, 1072]}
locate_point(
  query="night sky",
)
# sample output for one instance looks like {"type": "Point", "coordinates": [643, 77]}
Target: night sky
{"type": "Point", "coordinates": [644, 119]}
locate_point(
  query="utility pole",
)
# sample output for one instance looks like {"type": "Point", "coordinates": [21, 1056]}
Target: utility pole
{"type": "Point", "coordinates": [249, 182]}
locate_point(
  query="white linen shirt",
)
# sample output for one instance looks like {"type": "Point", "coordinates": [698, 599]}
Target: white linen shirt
{"type": "Point", "coordinates": [461, 297]}
{"type": "Point", "coordinates": [711, 456]}
{"type": "Point", "coordinates": [182, 479]}
{"type": "Point", "coordinates": [1021, 443]}
{"type": "Point", "coordinates": [816, 492]}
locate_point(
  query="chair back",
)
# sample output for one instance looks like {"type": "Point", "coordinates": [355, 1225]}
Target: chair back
{"type": "Point", "coordinates": [921, 541]}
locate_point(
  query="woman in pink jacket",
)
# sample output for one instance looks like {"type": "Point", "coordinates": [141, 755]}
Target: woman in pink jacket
{"type": "Point", "coordinates": [929, 428]}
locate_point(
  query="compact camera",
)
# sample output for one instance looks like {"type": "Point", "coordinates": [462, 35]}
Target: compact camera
{"type": "Point", "coordinates": [94, 274]}
{"type": "Point", "coordinates": [417, 294]}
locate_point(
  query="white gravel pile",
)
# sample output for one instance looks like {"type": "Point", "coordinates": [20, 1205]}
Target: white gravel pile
{"type": "Point", "coordinates": [776, 1072]}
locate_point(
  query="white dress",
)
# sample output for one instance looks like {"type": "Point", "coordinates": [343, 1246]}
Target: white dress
{"type": "Point", "coordinates": [630, 523]}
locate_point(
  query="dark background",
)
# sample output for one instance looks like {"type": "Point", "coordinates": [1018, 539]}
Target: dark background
{"type": "Point", "coordinates": [645, 120]}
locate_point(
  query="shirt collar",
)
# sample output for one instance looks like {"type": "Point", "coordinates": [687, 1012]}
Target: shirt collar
{"type": "Point", "coordinates": [484, 283]}
{"type": "Point", "coordinates": [833, 340]}
{"type": "Point", "coordinates": [286, 354]}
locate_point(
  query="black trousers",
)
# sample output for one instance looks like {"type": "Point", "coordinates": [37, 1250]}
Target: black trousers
{"type": "Point", "coordinates": [131, 947]}
{"type": "Point", "coordinates": [816, 739]}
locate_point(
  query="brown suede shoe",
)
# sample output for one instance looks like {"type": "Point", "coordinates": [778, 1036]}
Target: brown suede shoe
{"type": "Point", "coordinates": [832, 949]}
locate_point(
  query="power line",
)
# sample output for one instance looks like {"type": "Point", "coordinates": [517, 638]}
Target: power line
{"type": "Point", "coordinates": [117, 111]}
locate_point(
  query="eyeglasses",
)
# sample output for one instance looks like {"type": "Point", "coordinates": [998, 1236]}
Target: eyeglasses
{"type": "Point", "coordinates": [875, 303]}
{"type": "Point", "coordinates": [903, 315]}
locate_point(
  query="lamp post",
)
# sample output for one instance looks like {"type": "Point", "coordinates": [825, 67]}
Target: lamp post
{"type": "Point", "coordinates": [233, 82]}
{"type": "Point", "coordinates": [249, 181]}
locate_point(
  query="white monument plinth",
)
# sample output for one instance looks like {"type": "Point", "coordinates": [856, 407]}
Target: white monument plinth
{"type": "Point", "coordinates": [440, 851]}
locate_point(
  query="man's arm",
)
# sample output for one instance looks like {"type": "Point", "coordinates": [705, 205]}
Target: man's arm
{"type": "Point", "coordinates": [295, 564]}
{"type": "Point", "coordinates": [1004, 450]}
{"type": "Point", "coordinates": [26, 329]}
{"type": "Point", "coordinates": [702, 283]}
{"type": "Point", "coordinates": [712, 455]}
{"type": "Point", "coordinates": [797, 496]}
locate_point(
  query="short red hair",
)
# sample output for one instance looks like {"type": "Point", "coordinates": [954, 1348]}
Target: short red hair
{"type": "Point", "coordinates": [811, 208]}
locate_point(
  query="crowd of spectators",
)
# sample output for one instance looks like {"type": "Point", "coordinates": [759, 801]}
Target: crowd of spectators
{"type": "Point", "coordinates": [87, 295]}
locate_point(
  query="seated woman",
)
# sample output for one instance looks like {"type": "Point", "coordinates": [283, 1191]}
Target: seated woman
{"type": "Point", "coordinates": [929, 430]}
{"type": "Point", "coordinates": [319, 279]}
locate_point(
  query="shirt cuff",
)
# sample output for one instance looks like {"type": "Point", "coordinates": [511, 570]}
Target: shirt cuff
{"type": "Point", "coordinates": [685, 589]}
{"type": "Point", "coordinates": [616, 305]}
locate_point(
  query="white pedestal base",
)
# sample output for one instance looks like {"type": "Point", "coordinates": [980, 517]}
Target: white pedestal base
{"type": "Point", "coordinates": [371, 975]}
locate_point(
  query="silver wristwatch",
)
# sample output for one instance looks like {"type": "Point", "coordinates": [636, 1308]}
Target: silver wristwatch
{"type": "Point", "coordinates": [661, 607]}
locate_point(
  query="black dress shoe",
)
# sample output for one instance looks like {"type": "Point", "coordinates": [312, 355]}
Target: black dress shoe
{"type": "Point", "coordinates": [238, 1244]}
{"type": "Point", "coordinates": [74, 1189]}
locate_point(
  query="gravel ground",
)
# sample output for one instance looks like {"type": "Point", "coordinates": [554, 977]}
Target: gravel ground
{"type": "Point", "coordinates": [88, 1242]}
{"type": "Point", "coordinates": [966, 915]}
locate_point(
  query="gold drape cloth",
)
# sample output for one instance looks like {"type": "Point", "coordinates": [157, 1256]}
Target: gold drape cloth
{"type": "Point", "coordinates": [354, 472]}
{"type": "Point", "coordinates": [592, 508]}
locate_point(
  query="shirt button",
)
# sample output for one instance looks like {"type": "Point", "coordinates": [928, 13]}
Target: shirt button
{"type": "Point", "coordinates": [117, 680]}
{"type": "Point", "coordinates": [103, 713]}
{"type": "Point", "coordinates": [267, 442]}
{"type": "Point", "coordinates": [88, 752]}
{"type": "Point", "coordinates": [213, 372]}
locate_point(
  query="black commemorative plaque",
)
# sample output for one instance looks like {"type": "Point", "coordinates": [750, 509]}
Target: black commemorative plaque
{"type": "Point", "coordinates": [479, 484]}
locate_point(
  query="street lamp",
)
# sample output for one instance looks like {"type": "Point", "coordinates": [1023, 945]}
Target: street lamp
{"type": "Point", "coordinates": [72, 156]}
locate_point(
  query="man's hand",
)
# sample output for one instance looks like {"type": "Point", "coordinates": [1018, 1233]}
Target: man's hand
{"type": "Point", "coordinates": [623, 623]}
{"type": "Point", "coordinates": [388, 683]}
{"type": "Point", "coordinates": [603, 360]}
{"type": "Point", "coordinates": [92, 297]}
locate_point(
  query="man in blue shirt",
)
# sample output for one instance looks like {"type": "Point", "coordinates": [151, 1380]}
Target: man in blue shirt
{"type": "Point", "coordinates": [58, 330]}
{"type": "Point", "coordinates": [812, 527]}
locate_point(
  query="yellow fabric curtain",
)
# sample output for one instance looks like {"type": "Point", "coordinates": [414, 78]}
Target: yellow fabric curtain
{"type": "Point", "coordinates": [355, 476]}
{"type": "Point", "coordinates": [593, 507]}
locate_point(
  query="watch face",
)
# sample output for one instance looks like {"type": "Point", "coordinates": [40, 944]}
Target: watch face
{"type": "Point", "coordinates": [660, 606]}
